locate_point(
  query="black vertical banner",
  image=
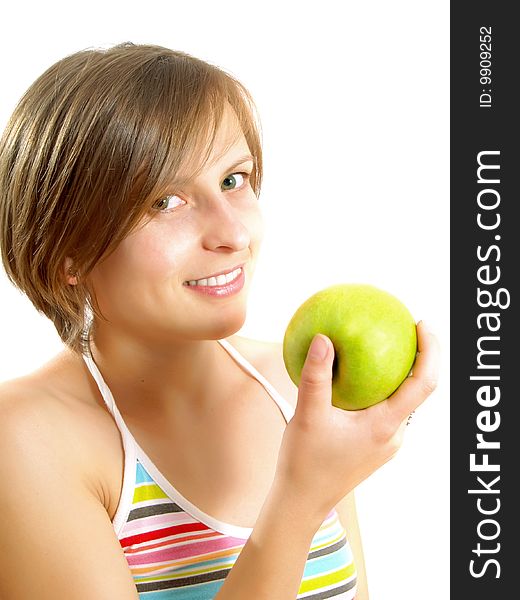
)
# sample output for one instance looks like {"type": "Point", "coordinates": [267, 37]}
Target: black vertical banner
{"type": "Point", "coordinates": [485, 268]}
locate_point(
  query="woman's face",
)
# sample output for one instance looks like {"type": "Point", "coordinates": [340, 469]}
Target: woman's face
{"type": "Point", "coordinates": [211, 226]}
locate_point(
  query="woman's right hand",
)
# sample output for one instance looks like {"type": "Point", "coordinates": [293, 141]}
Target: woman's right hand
{"type": "Point", "coordinates": [327, 451]}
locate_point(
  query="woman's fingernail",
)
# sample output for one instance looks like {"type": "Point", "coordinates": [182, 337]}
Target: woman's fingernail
{"type": "Point", "coordinates": [426, 327]}
{"type": "Point", "coordinates": [319, 348]}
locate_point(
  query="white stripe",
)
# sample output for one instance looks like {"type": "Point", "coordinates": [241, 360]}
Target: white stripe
{"type": "Point", "coordinates": [220, 526]}
{"type": "Point", "coordinates": [129, 472]}
{"type": "Point", "coordinates": [286, 409]}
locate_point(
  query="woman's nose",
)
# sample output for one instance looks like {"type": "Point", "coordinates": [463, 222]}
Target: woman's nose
{"type": "Point", "coordinates": [224, 227]}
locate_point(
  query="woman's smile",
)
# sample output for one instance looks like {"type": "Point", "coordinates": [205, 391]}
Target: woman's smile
{"type": "Point", "coordinates": [224, 284]}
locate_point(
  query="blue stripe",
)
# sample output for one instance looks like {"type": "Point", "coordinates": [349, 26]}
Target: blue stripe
{"type": "Point", "coordinates": [142, 475]}
{"type": "Point", "coordinates": [328, 562]}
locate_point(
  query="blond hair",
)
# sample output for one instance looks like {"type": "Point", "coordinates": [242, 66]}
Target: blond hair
{"type": "Point", "coordinates": [91, 141]}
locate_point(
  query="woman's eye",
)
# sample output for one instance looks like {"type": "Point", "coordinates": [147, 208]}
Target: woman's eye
{"type": "Point", "coordinates": [168, 202]}
{"type": "Point", "coordinates": [235, 180]}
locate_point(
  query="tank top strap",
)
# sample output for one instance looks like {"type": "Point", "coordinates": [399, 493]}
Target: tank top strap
{"type": "Point", "coordinates": [103, 387]}
{"type": "Point", "coordinates": [129, 446]}
{"type": "Point", "coordinates": [285, 407]}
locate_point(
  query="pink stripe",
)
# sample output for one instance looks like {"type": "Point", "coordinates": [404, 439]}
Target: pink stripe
{"type": "Point", "coordinates": [196, 551]}
{"type": "Point", "coordinates": [166, 543]}
{"type": "Point", "coordinates": [156, 521]}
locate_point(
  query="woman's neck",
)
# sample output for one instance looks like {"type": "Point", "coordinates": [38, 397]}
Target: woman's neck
{"type": "Point", "coordinates": [142, 375]}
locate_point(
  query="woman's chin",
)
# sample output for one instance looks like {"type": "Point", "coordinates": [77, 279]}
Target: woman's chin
{"type": "Point", "coordinates": [224, 328]}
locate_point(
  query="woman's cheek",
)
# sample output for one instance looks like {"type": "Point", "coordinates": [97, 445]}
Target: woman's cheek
{"type": "Point", "coordinates": [157, 252]}
{"type": "Point", "coordinates": [257, 228]}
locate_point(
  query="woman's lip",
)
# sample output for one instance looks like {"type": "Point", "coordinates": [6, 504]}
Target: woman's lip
{"type": "Point", "coordinates": [217, 274]}
{"type": "Point", "coordinates": [220, 291]}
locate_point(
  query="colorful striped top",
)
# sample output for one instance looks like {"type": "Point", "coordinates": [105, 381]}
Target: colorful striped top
{"type": "Point", "coordinates": [177, 552]}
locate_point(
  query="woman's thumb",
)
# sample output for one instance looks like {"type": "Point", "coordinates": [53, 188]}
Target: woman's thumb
{"type": "Point", "coordinates": [315, 389]}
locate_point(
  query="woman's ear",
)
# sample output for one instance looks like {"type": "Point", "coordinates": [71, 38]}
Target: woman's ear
{"type": "Point", "coordinates": [70, 275]}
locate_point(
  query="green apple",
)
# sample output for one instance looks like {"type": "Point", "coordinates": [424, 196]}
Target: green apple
{"type": "Point", "coordinates": [374, 338]}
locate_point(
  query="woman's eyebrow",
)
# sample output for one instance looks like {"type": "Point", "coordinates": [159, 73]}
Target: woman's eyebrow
{"type": "Point", "coordinates": [241, 160]}
{"type": "Point", "coordinates": [181, 181]}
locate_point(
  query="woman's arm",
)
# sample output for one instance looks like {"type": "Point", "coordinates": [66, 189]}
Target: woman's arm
{"type": "Point", "coordinates": [57, 540]}
{"type": "Point", "coordinates": [325, 453]}
{"type": "Point", "coordinates": [348, 516]}
{"type": "Point", "coordinates": [271, 564]}
{"type": "Point", "coordinates": [280, 545]}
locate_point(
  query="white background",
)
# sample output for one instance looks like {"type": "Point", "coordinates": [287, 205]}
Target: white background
{"type": "Point", "coordinates": [353, 98]}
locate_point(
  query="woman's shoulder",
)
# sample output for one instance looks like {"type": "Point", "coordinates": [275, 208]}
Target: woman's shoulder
{"type": "Point", "coordinates": [267, 358]}
{"type": "Point", "coordinates": [61, 384]}
{"type": "Point", "coordinates": [53, 411]}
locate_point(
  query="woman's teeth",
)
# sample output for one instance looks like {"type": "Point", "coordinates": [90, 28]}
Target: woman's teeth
{"type": "Point", "coordinates": [219, 280]}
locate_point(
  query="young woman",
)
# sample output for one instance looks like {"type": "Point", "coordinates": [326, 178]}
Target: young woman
{"type": "Point", "coordinates": [160, 455]}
